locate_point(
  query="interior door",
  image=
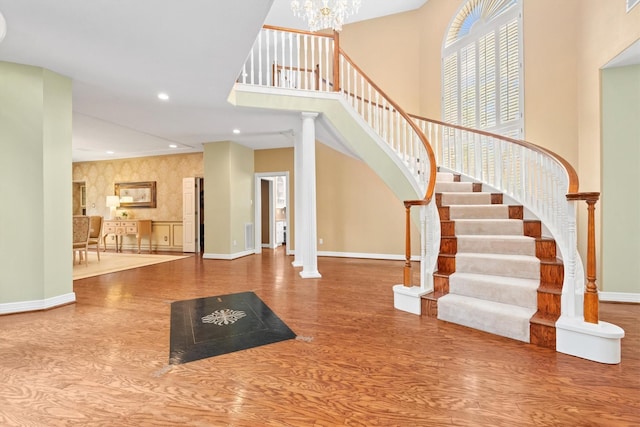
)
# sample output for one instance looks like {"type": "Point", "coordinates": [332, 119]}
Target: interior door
{"type": "Point", "coordinates": [189, 215]}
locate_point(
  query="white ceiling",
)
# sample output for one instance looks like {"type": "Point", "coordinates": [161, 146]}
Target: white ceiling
{"type": "Point", "coordinates": [121, 53]}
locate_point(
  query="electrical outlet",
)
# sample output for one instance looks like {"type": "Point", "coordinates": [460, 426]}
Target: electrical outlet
{"type": "Point", "coordinates": [320, 241]}
{"type": "Point", "coordinates": [235, 243]}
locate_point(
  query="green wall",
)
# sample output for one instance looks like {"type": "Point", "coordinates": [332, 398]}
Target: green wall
{"type": "Point", "coordinates": [620, 179]}
{"type": "Point", "coordinates": [228, 177]}
{"type": "Point", "coordinates": [35, 176]}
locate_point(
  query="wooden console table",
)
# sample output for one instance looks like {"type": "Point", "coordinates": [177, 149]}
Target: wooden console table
{"type": "Point", "coordinates": [123, 227]}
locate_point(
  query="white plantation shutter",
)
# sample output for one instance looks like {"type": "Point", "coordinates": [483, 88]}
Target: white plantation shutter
{"type": "Point", "coordinates": [450, 88]}
{"type": "Point", "coordinates": [482, 71]}
{"type": "Point", "coordinates": [509, 73]}
{"type": "Point", "coordinates": [468, 85]}
{"type": "Point", "coordinates": [487, 94]}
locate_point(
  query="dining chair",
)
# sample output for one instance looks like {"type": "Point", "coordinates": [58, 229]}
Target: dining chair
{"type": "Point", "coordinates": [81, 228]}
{"type": "Point", "coordinates": [95, 233]}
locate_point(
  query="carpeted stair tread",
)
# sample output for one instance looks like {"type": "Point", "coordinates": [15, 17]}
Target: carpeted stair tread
{"type": "Point", "coordinates": [478, 212]}
{"type": "Point", "coordinates": [521, 266]}
{"type": "Point", "coordinates": [506, 320]}
{"type": "Point", "coordinates": [444, 177]}
{"type": "Point", "coordinates": [506, 290]}
{"type": "Point", "coordinates": [471, 198]}
{"type": "Point", "coordinates": [452, 187]}
{"type": "Point", "coordinates": [497, 244]}
{"type": "Point", "coordinates": [489, 227]}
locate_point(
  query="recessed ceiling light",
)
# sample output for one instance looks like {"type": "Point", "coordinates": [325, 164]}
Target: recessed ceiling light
{"type": "Point", "coordinates": [236, 131]}
{"type": "Point", "coordinates": [163, 96]}
{"type": "Point", "coordinates": [173, 146]}
{"type": "Point", "coordinates": [110, 152]}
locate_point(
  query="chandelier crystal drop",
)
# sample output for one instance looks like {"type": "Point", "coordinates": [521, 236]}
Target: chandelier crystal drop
{"type": "Point", "coordinates": [321, 14]}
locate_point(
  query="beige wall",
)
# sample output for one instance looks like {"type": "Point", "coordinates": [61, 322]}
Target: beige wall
{"type": "Point", "coordinates": [357, 212]}
{"type": "Point", "coordinates": [35, 177]}
{"type": "Point", "coordinates": [550, 69]}
{"type": "Point", "coordinates": [388, 57]}
{"type": "Point", "coordinates": [167, 171]}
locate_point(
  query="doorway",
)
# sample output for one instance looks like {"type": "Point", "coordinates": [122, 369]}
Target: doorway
{"type": "Point", "coordinates": [79, 197]}
{"type": "Point", "coordinates": [271, 210]}
{"type": "Point", "coordinates": [193, 214]}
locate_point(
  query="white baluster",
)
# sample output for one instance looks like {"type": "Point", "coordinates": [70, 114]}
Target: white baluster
{"type": "Point", "coordinates": [260, 58]}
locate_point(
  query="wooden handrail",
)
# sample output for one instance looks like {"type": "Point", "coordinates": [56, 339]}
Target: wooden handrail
{"type": "Point", "coordinates": [591, 303]}
{"type": "Point", "coordinates": [571, 172]}
{"type": "Point", "coordinates": [294, 31]}
{"type": "Point", "coordinates": [336, 61]}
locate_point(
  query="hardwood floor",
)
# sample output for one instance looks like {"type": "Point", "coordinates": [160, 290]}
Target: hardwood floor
{"type": "Point", "coordinates": [357, 361]}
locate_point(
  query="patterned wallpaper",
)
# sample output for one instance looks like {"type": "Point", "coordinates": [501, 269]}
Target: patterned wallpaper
{"type": "Point", "coordinates": [168, 171]}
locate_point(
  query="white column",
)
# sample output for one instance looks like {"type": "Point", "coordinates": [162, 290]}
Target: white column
{"type": "Point", "coordinates": [299, 218]}
{"type": "Point", "coordinates": [309, 237]}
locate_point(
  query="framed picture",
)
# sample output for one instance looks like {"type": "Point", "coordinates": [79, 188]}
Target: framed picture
{"type": "Point", "coordinates": [136, 194]}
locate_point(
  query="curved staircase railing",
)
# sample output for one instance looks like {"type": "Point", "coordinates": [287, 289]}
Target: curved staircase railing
{"type": "Point", "coordinates": [540, 180]}
{"type": "Point", "coordinates": [533, 176]}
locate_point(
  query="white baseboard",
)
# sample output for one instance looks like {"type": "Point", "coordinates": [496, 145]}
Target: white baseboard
{"type": "Point", "coordinates": [390, 257]}
{"type": "Point", "coordinates": [619, 297]}
{"type": "Point", "coordinates": [35, 305]}
{"type": "Point", "coordinates": [229, 256]}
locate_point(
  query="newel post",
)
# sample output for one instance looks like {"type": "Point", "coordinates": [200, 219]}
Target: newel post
{"type": "Point", "coordinates": [336, 61]}
{"type": "Point", "coordinates": [591, 308]}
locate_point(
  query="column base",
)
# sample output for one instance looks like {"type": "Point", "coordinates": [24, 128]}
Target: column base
{"type": "Point", "coordinates": [310, 274]}
{"type": "Point", "coordinates": [408, 299]}
{"type": "Point", "coordinates": [598, 342]}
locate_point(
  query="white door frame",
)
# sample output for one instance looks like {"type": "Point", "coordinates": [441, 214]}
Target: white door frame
{"type": "Point", "coordinates": [258, 209]}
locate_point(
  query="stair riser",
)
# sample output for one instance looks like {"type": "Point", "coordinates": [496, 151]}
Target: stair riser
{"type": "Point", "coordinates": [548, 303]}
{"type": "Point", "coordinates": [552, 274]}
{"type": "Point", "coordinates": [446, 264]}
{"type": "Point", "coordinates": [546, 248]}
{"type": "Point", "coordinates": [542, 335]}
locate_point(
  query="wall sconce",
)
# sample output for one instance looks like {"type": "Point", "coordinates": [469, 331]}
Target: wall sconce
{"type": "Point", "coordinates": [112, 202]}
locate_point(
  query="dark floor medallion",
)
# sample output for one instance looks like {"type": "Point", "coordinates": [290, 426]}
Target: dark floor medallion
{"type": "Point", "coordinates": [212, 326]}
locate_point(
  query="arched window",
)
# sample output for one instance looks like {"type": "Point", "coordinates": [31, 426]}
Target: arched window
{"type": "Point", "coordinates": [482, 83]}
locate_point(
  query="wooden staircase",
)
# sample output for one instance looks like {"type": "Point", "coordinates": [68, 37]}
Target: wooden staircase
{"type": "Point", "coordinates": [542, 323]}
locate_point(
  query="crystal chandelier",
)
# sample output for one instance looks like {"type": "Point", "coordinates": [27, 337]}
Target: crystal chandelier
{"type": "Point", "coordinates": [321, 14]}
